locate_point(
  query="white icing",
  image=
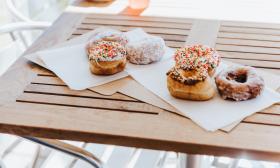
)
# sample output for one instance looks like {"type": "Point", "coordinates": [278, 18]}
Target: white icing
{"type": "Point", "coordinates": [93, 56]}
{"type": "Point", "coordinates": [252, 76]}
{"type": "Point", "coordinates": [112, 34]}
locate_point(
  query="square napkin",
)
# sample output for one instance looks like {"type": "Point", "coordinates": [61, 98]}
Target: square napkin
{"type": "Point", "coordinates": [212, 114]}
{"type": "Point", "coordinates": [71, 64]}
{"type": "Point", "coordinates": [107, 89]}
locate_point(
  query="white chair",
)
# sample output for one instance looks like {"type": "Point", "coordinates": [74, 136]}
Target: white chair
{"type": "Point", "coordinates": [8, 55]}
{"type": "Point", "coordinates": [17, 16]}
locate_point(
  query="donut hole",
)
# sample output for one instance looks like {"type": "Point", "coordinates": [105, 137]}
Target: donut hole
{"type": "Point", "coordinates": [240, 77]}
{"type": "Point", "coordinates": [187, 73]}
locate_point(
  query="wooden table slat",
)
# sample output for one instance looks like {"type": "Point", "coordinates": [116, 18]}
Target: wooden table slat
{"type": "Point", "coordinates": [64, 90]}
{"type": "Point", "coordinates": [275, 109]}
{"type": "Point", "coordinates": [244, 42]}
{"type": "Point", "coordinates": [140, 18]}
{"type": "Point", "coordinates": [250, 30]}
{"type": "Point", "coordinates": [249, 56]}
{"type": "Point", "coordinates": [264, 119]}
{"type": "Point", "coordinates": [180, 38]}
{"type": "Point", "coordinates": [52, 80]}
{"type": "Point", "coordinates": [113, 21]}
{"type": "Point", "coordinates": [249, 49]}
{"type": "Point", "coordinates": [88, 102]}
{"type": "Point", "coordinates": [147, 29]}
{"type": "Point", "coordinates": [274, 71]}
{"type": "Point", "coordinates": [259, 37]}
{"type": "Point", "coordinates": [269, 26]}
{"type": "Point", "coordinates": [256, 63]}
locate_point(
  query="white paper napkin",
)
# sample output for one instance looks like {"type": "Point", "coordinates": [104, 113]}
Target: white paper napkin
{"type": "Point", "coordinates": [210, 115]}
{"type": "Point", "coordinates": [83, 39]}
{"type": "Point", "coordinates": [71, 64]}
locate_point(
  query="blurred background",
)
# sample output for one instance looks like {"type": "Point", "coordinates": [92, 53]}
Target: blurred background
{"type": "Point", "coordinates": [17, 153]}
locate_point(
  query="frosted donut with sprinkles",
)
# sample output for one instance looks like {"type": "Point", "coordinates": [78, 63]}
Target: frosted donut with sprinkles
{"type": "Point", "coordinates": [190, 78]}
{"type": "Point", "coordinates": [106, 57]}
{"type": "Point", "coordinates": [192, 57]}
{"type": "Point", "coordinates": [106, 51]}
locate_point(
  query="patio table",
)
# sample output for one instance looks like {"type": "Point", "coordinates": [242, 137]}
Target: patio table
{"type": "Point", "coordinates": [35, 102]}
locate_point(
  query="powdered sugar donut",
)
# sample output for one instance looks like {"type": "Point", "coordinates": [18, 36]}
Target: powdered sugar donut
{"type": "Point", "coordinates": [239, 83]}
{"type": "Point", "coordinates": [145, 51]}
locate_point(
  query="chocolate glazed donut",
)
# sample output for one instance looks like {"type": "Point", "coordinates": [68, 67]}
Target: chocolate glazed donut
{"type": "Point", "coordinates": [239, 83]}
{"type": "Point", "coordinates": [188, 84]}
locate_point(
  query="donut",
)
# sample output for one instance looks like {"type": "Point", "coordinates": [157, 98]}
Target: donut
{"type": "Point", "coordinates": [145, 51]}
{"type": "Point", "coordinates": [189, 84]}
{"type": "Point", "coordinates": [189, 78]}
{"type": "Point", "coordinates": [106, 57]}
{"type": "Point", "coordinates": [239, 83]}
{"type": "Point", "coordinates": [108, 34]}
{"type": "Point", "coordinates": [198, 55]}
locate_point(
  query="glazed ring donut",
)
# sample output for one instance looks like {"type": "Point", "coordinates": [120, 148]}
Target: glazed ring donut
{"type": "Point", "coordinates": [239, 83]}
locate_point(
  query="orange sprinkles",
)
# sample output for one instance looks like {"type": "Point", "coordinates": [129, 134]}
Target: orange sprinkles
{"type": "Point", "coordinates": [106, 51]}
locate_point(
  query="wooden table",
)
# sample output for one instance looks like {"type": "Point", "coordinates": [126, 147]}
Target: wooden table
{"type": "Point", "coordinates": [34, 102]}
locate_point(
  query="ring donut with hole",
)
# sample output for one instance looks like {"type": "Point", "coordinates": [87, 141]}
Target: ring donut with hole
{"type": "Point", "coordinates": [239, 83]}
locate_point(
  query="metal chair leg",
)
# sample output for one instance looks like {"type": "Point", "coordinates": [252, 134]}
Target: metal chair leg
{"type": "Point", "coordinates": [2, 165]}
{"type": "Point", "coordinates": [193, 161]}
{"type": "Point", "coordinates": [68, 149]}
{"type": "Point", "coordinates": [35, 156]}
{"type": "Point", "coordinates": [190, 161]}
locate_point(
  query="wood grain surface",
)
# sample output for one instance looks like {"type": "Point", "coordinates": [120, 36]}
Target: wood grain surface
{"type": "Point", "coordinates": [35, 102]}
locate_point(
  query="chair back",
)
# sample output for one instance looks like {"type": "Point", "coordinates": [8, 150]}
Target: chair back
{"type": "Point", "coordinates": [9, 54]}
